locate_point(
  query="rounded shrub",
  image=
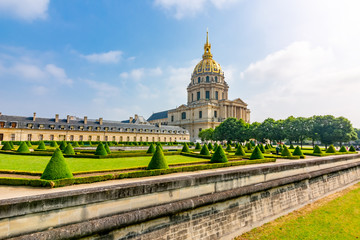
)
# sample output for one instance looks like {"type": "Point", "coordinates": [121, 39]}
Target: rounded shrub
{"type": "Point", "coordinates": [107, 148]}
{"type": "Point", "coordinates": [352, 149]}
{"type": "Point", "coordinates": [228, 147]}
{"type": "Point", "coordinates": [69, 150]}
{"type": "Point", "coordinates": [63, 145]}
{"type": "Point", "coordinates": [210, 146]}
{"type": "Point", "coordinates": [219, 156]}
{"type": "Point", "coordinates": [41, 146]}
{"type": "Point", "coordinates": [100, 150]}
{"type": "Point", "coordinates": [317, 149]}
{"type": "Point", "coordinates": [185, 148]}
{"type": "Point", "coordinates": [158, 160]}
{"type": "Point", "coordinates": [28, 143]}
{"type": "Point", "coordinates": [6, 146]}
{"type": "Point", "coordinates": [297, 152]}
{"type": "Point", "coordinates": [240, 151]}
{"type": "Point", "coordinates": [261, 147]}
{"type": "Point", "coordinates": [54, 144]}
{"type": "Point", "coordinates": [343, 149]}
{"type": "Point", "coordinates": [23, 148]}
{"type": "Point", "coordinates": [197, 146]}
{"type": "Point", "coordinates": [256, 154]}
{"type": "Point", "coordinates": [57, 168]}
{"type": "Point", "coordinates": [285, 152]}
{"type": "Point", "coordinates": [205, 150]}
{"type": "Point", "coordinates": [151, 148]}
{"type": "Point", "coordinates": [331, 149]}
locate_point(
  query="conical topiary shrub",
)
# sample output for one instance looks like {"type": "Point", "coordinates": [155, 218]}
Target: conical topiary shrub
{"type": "Point", "coordinates": [160, 146]}
{"type": "Point", "coordinates": [107, 148]}
{"type": "Point", "coordinates": [205, 150]}
{"type": "Point", "coordinates": [291, 146]}
{"type": "Point", "coordinates": [219, 156]}
{"type": "Point", "coordinates": [6, 146]}
{"type": "Point", "coordinates": [75, 144]}
{"type": "Point", "coordinates": [228, 147]}
{"type": "Point", "coordinates": [11, 144]}
{"type": "Point", "coordinates": [23, 148]}
{"type": "Point", "coordinates": [197, 146]}
{"type": "Point", "coordinates": [285, 152]}
{"type": "Point", "coordinates": [240, 151]}
{"type": "Point", "coordinates": [100, 150]}
{"type": "Point", "coordinates": [28, 143]}
{"type": "Point", "coordinates": [281, 147]}
{"type": "Point", "coordinates": [248, 146]}
{"type": "Point", "coordinates": [57, 167]}
{"type": "Point", "coordinates": [210, 146]}
{"type": "Point", "coordinates": [261, 147]}
{"type": "Point", "coordinates": [151, 148]}
{"type": "Point", "coordinates": [158, 160]}
{"type": "Point", "coordinates": [41, 146]}
{"type": "Point", "coordinates": [352, 149]}
{"type": "Point", "coordinates": [317, 149]}
{"type": "Point", "coordinates": [256, 154]}
{"type": "Point", "coordinates": [81, 143]}
{"type": "Point", "coordinates": [63, 145]}
{"type": "Point", "coordinates": [69, 150]}
{"type": "Point", "coordinates": [331, 149]}
{"type": "Point", "coordinates": [54, 144]}
{"type": "Point", "coordinates": [252, 143]}
{"type": "Point", "coordinates": [267, 146]}
{"type": "Point", "coordinates": [297, 152]}
{"type": "Point", "coordinates": [343, 149]}
{"type": "Point", "coordinates": [185, 148]}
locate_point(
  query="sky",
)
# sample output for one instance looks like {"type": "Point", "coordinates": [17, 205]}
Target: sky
{"type": "Point", "coordinates": [117, 58]}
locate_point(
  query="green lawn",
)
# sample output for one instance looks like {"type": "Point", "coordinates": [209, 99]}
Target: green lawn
{"type": "Point", "coordinates": [336, 219]}
{"type": "Point", "coordinates": [38, 163]}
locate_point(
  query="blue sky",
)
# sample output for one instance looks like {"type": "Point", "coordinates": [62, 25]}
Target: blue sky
{"type": "Point", "coordinates": [114, 59]}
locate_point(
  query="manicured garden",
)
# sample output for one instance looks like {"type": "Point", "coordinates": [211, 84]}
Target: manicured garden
{"type": "Point", "coordinates": [329, 218]}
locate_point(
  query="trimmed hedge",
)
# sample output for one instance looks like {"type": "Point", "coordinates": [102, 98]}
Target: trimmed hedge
{"type": "Point", "coordinates": [343, 149]}
{"type": "Point", "coordinates": [228, 147]}
{"type": "Point", "coordinates": [54, 144]}
{"type": "Point", "coordinates": [63, 145]}
{"type": "Point", "coordinates": [107, 148]}
{"type": "Point", "coordinates": [151, 148]}
{"type": "Point", "coordinates": [28, 143]}
{"type": "Point", "coordinates": [297, 152]}
{"type": "Point", "coordinates": [317, 150]}
{"type": "Point", "coordinates": [256, 154]}
{"type": "Point", "coordinates": [158, 160]}
{"type": "Point", "coordinates": [261, 147]}
{"type": "Point", "coordinates": [57, 167]}
{"type": "Point", "coordinates": [331, 149]}
{"type": "Point", "coordinates": [185, 148]}
{"type": "Point", "coordinates": [23, 148]}
{"type": "Point", "coordinates": [100, 150]}
{"type": "Point", "coordinates": [285, 152]}
{"type": "Point", "coordinates": [291, 146]}
{"type": "Point", "coordinates": [69, 150]}
{"type": "Point", "coordinates": [6, 146]}
{"type": "Point", "coordinates": [198, 146]}
{"type": "Point", "coordinates": [205, 150]}
{"type": "Point", "coordinates": [219, 156]}
{"type": "Point", "coordinates": [210, 146]}
{"type": "Point", "coordinates": [41, 146]}
{"type": "Point", "coordinates": [352, 149]}
{"type": "Point", "coordinates": [240, 151]}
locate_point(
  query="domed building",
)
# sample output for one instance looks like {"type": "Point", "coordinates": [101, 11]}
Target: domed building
{"type": "Point", "coordinates": [207, 100]}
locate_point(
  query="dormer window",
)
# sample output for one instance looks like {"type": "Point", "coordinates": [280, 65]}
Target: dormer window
{"type": "Point", "coordinates": [52, 127]}
{"type": "Point", "coordinates": [13, 124]}
{"type": "Point", "coordinates": [41, 126]}
{"type": "Point", "coordinates": [72, 127]}
{"type": "Point", "coordinates": [90, 128]}
{"type": "Point", "coordinates": [62, 127]}
{"type": "Point", "coordinates": [81, 128]}
{"type": "Point", "coordinates": [29, 125]}
{"type": "Point", "coordinates": [97, 128]}
{"type": "Point", "coordinates": [106, 129]}
{"type": "Point", "coordinates": [2, 124]}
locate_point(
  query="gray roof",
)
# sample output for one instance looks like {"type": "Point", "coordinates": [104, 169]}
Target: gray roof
{"type": "Point", "coordinates": [139, 120]}
{"type": "Point", "coordinates": [77, 123]}
{"type": "Point", "coordinates": [159, 115]}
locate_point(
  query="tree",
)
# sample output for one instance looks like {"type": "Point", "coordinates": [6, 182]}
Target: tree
{"type": "Point", "coordinates": [301, 129]}
{"type": "Point", "coordinates": [206, 134]}
{"type": "Point", "coordinates": [232, 130]}
{"type": "Point", "coordinates": [57, 167]}
{"type": "Point", "coordinates": [158, 160]}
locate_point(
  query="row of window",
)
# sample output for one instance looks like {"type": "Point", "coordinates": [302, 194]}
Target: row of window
{"type": "Point", "coordinates": [91, 128]}
{"type": "Point", "coordinates": [207, 95]}
{"type": "Point", "coordinates": [207, 79]}
{"type": "Point", "coordinates": [96, 138]}
{"type": "Point", "coordinates": [183, 115]}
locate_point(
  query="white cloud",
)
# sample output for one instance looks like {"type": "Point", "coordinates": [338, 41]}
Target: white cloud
{"type": "Point", "coordinates": [106, 57]}
{"type": "Point", "coordinates": [141, 73]}
{"type": "Point", "coordinates": [103, 89]}
{"type": "Point", "coordinates": [25, 9]}
{"type": "Point", "coordinates": [183, 8]}
{"type": "Point", "coordinates": [302, 80]}
{"type": "Point", "coordinates": [39, 90]}
{"type": "Point", "coordinates": [58, 74]}
{"type": "Point", "coordinates": [28, 72]}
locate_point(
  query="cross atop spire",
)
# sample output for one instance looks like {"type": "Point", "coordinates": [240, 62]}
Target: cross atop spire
{"type": "Point", "coordinates": [207, 47]}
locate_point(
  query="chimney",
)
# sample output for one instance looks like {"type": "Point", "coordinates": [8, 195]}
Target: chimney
{"type": "Point", "coordinates": [131, 120]}
{"type": "Point", "coordinates": [101, 121]}
{"type": "Point", "coordinates": [0, 113]}
{"type": "Point", "coordinates": [85, 120]}
{"type": "Point", "coordinates": [136, 117]}
{"type": "Point", "coordinates": [68, 119]}
{"type": "Point", "coordinates": [34, 117]}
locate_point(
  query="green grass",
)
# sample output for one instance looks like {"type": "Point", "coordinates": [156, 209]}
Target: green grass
{"type": "Point", "coordinates": [337, 219]}
{"type": "Point", "coordinates": [38, 163]}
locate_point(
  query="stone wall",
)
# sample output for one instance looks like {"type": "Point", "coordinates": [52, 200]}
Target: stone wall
{"type": "Point", "coordinates": [211, 205]}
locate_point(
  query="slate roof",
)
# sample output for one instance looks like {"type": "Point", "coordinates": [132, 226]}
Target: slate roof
{"type": "Point", "coordinates": [159, 115]}
{"type": "Point", "coordinates": [113, 126]}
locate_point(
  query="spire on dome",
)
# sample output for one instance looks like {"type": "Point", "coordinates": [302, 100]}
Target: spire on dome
{"type": "Point", "coordinates": [207, 47]}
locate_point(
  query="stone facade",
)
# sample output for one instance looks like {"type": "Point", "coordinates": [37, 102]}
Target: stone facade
{"type": "Point", "coordinates": [207, 100]}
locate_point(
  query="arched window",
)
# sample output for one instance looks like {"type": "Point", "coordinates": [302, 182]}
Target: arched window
{"type": "Point", "coordinates": [183, 115]}
{"type": "Point", "coordinates": [216, 79]}
{"type": "Point", "coordinates": [198, 79]}
{"type": "Point", "coordinates": [207, 79]}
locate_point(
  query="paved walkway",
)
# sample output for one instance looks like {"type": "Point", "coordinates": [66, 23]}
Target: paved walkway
{"type": "Point", "coordinates": [7, 192]}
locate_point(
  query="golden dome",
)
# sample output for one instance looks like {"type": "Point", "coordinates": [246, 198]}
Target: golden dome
{"type": "Point", "coordinates": [207, 64]}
